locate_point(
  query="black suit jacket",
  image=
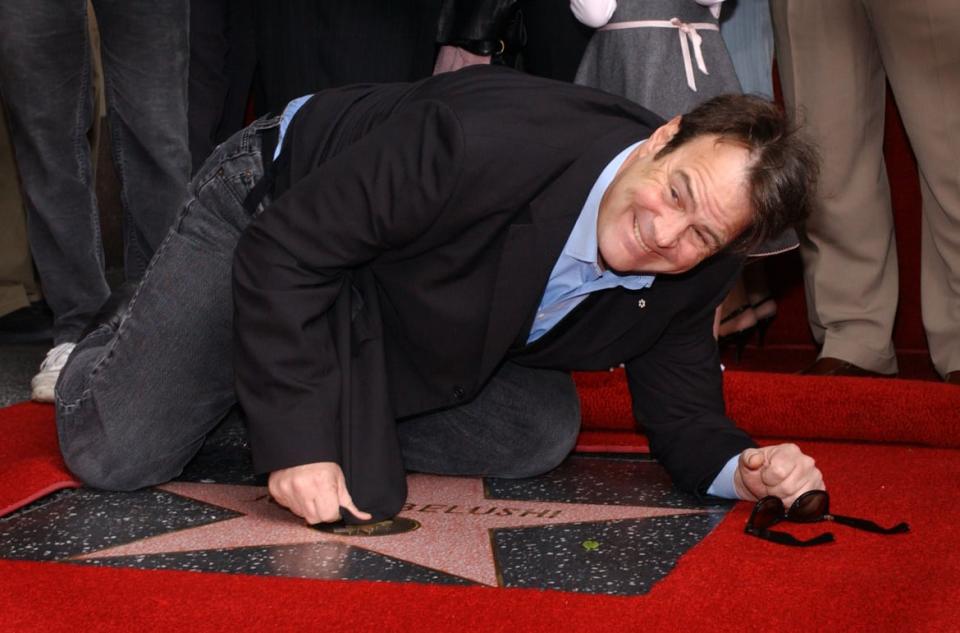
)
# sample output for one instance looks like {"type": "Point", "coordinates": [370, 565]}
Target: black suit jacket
{"type": "Point", "coordinates": [411, 236]}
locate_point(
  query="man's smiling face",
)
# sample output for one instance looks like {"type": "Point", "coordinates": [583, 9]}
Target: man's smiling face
{"type": "Point", "coordinates": [666, 215]}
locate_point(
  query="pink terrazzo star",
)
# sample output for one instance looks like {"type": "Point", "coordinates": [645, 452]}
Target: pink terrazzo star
{"type": "Point", "coordinates": [455, 516]}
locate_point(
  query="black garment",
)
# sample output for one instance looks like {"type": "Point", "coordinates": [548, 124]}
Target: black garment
{"type": "Point", "coordinates": [412, 232]}
{"type": "Point", "coordinates": [541, 37]}
{"type": "Point", "coordinates": [223, 59]}
{"type": "Point", "coordinates": [306, 45]}
{"type": "Point", "coordinates": [483, 27]}
{"type": "Point", "coordinates": [555, 39]}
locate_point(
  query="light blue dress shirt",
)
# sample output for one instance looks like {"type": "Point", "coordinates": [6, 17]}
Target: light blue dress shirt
{"type": "Point", "coordinates": [285, 119]}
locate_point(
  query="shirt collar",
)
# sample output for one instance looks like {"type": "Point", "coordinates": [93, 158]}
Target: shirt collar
{"type": "Point", "coordinates": [582, 244]}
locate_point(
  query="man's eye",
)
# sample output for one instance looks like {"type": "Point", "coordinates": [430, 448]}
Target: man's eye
{"type": "Point", "coordinates": [675, 194]}
{"type": "Point", "coordinates": [701, 237]}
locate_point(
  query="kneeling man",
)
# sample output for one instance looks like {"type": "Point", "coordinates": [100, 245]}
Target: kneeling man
{"type": "Point", "coordinates": [402, 276]}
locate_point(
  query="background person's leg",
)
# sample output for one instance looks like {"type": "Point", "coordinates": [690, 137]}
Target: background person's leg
{"type": "Point", "coordinates": [145, 54]}
{"type": "Point", "coordinates": [523, 423]}
{"type": "Point", "coordinates": [918, 43]}
{"type": "Point", "coordinates": [831, 73]}
{"type": "Point", "coordinates": [17, 282]}
{"type": "Point", "coordinates": [45, 78]}
{"type": "Point", "coordinates": [134, 405]}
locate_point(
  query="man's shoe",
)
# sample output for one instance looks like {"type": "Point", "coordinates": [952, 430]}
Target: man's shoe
{"type": "Point", "coordinates": [31, 324]}
{"type": "Point", "coordinates": [45, 381]}
{"type": "Point", "coordinates": [828, 366]}
{"type": "Point", "coordinates": [953, 378]}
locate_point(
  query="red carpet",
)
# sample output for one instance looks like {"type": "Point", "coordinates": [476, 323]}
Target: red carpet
{"type": "Point", "coordinates": [30, 463]}
{"type": "Point", "coordinates": [790, 406]}
{"type": "Point", "coordinates": [729, 582]}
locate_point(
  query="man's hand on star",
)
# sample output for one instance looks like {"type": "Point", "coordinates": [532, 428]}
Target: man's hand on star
{"type": "Point", "coordinates": [782, 471]}
{"type": "Point", "coordinates": [315, 492]}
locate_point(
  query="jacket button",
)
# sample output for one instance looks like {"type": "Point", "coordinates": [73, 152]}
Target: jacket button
{"type": "Point", "coordinates": [458, 393]}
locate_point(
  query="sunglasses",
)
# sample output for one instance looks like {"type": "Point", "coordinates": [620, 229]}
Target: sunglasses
{"type": "Point", "coordinates": [810, 507]}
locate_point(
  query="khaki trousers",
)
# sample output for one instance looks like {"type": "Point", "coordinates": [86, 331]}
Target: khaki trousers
{"type": "Point", "coordinates": [834, 57]}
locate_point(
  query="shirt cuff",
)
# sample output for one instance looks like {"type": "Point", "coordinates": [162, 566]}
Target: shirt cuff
{"type": "Point", "coordinates": [722, 485]}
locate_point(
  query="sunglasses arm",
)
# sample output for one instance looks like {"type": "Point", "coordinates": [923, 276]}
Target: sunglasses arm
{"type": "Point", "coordinates": [867, 526]}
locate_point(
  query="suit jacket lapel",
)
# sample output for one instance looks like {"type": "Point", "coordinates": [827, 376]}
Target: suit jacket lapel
{"type": "Point", "coordinates": [534, 242]}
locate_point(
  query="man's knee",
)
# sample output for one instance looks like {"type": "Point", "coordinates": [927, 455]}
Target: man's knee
{"type": "Point", "coordinates": [100, 471]}
{"type": "Point", "coordinates": [549, 429]}
{"type": "Point", "coordinates": [111, 469]}
{"type": "Point", "coordinates": [104, 462]}
{"type": "Point", "coordinates": [544, 447]}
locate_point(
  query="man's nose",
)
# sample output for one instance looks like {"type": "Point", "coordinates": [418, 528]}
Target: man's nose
{"type": "Point", "coordinates": [669, 226]}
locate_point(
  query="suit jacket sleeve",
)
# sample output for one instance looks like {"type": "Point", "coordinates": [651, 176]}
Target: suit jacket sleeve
{"type": "Point", "coordinates": [677, 392]}
{"type": "Point", "coordinates": [295, 259]}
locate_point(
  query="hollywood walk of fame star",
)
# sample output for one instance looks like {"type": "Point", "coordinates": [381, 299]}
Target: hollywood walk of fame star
{"type": "Point", "coordinates": [456, 520]}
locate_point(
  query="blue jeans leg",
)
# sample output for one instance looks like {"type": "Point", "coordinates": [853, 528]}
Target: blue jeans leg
{"type": "Point", "coordinates": [134, 405]}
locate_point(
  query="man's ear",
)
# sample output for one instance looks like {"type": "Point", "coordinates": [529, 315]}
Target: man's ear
{"type": "Point", "coordinates": [662, 135]}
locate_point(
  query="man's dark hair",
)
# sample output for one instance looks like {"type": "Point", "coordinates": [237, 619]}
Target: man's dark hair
{"type": "Point", "coordinates": [784, 165]}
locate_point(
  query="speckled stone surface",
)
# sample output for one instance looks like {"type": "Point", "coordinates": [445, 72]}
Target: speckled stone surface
{"type": "Point", "coordinates": [90, 520]}
{"type": "Point", "coordinates": [18, 364]}
{"type": "Point", "coordinates": [597, 525]}
{"type": "Point", "coordinates": [613, 557]}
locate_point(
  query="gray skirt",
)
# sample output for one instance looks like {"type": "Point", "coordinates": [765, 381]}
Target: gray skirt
{"type": "Point", "coordinates": [646, 63]}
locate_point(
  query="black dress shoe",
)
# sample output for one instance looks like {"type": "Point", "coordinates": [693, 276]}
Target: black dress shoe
{"type": "Point", "coordinates": [32, 324]}
{"type": "Point", "coordinates": [828, 366]}
{"type": "Point", "coordinates": [111, 312]}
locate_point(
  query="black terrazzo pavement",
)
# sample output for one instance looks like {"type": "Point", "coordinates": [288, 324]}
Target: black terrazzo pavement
{"type": "Point", "coordinates": [624, 557]}
{"type": "Point", "coordinates": [91, 520]}
{"type": "Point", "coordinates": [613, 557]}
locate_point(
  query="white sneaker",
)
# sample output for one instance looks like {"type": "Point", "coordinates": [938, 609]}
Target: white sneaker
{"type": "Point", "coordinates": [46, 379]}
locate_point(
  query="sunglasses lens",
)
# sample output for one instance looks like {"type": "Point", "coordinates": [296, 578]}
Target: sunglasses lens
{"type": "Point", "coordinates": [810, 506]}
{"type": "Point", "coordinates": [766, 513]}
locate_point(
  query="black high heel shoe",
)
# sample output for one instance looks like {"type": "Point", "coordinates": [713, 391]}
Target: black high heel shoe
{"type": "Point", "coordinates": [764, 310]}
{"type": "Point", "coordinates": [743, 323]}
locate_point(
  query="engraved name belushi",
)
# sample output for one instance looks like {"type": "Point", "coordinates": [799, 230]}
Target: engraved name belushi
{"type": "Point", "coordinates": [497, 511]}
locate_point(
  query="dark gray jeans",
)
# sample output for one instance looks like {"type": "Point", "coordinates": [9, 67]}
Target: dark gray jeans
{"type": "Point", "coordinates": [45, 77]}
{"type": "Point", "coordinates": [134, 405]}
